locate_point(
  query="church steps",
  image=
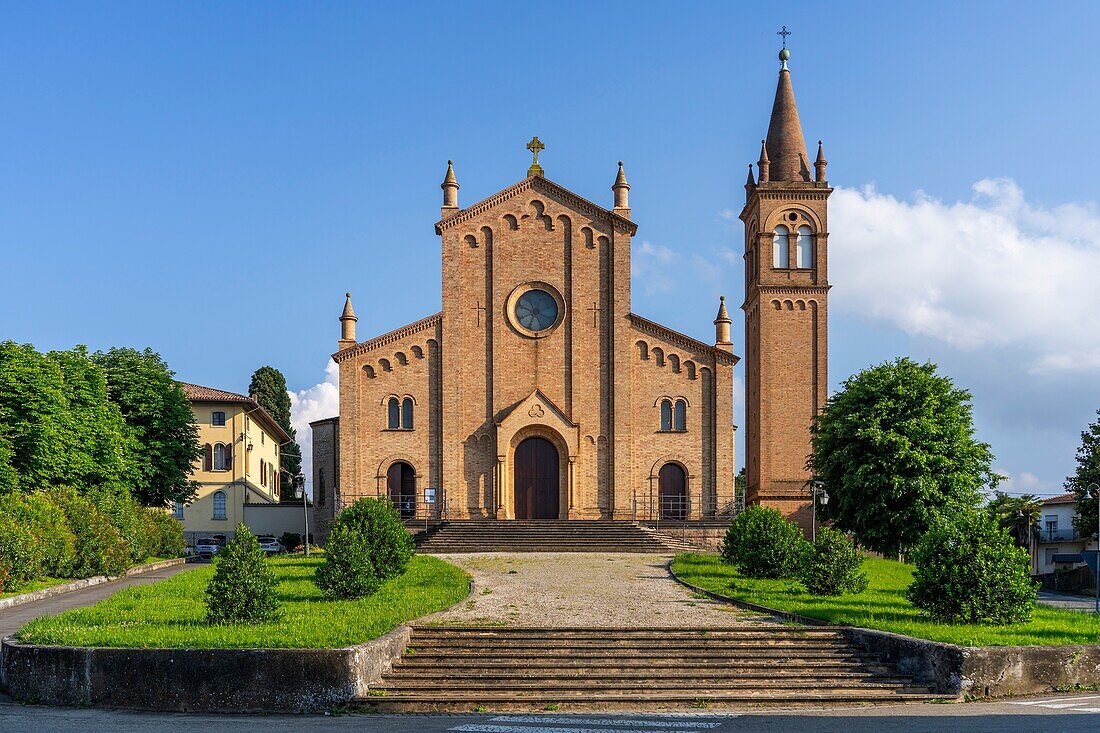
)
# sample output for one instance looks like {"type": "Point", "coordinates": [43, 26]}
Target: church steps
{"type": "Point", "coordinates": [548, 535]}
{"type": "Point", "coordinates": [455, 668]}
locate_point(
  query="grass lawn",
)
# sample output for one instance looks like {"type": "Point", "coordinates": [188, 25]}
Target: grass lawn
{"type": "Point", "coordinates": [169, 614]}
{"type": "Point", "coordinates": [883, 606]}
{"type": "Point", "coordinates": [36, 585]}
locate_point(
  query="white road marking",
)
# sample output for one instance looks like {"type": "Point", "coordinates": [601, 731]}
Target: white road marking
{"type": "Point", "coordinates": [1086, 710]}
{"type": "Point", "coordinates": [651, 723]}
{"type": "Point", "coordinates": [485, 728]}
{"type": "Point", "coordinates": [1056, 699]}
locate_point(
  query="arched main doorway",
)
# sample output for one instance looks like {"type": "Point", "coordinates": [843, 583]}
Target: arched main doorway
{"type": "Point", "coordinates": [536, 479]}
{"type": "Point", "coordinates": [401, 485]}
{"type": "Point", "coordinates": [672, 491]}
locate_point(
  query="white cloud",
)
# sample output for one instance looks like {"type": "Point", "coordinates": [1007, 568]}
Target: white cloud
{"type": "Point", "coordinates": [319, 401]}
{"type": "Point", "coordinates": [651, 263]}
{"type": "Point", "coordinates": [994, 272]}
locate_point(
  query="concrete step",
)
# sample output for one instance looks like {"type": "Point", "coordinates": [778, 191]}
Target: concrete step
{"type": "Point", "coordinates": [827, 677]}
{"type": "Point", "coordinates": [644, 665]}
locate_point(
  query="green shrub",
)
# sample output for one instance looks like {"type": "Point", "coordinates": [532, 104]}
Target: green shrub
{"type": "Point", "coordinates": [832, 566]}
{"type": "Point", "coordinates": [762, 544]}
{"type": "Point", "coordinates": [391, 546]}
{"type": "Point", "coordinates": [141, 537]}
{"type": "Point", "coordinates": [19, 552]}
{"type": "Point", "coordinates": [347, 571]}
{"type": "Point", "coordinates": [290, 540]}
{"type": "Point", "coordinates": [968, 570]}
{"type": "Point", "coordinates": [46, 521]}
{"type": "Point", "coordinates": [168, 533]}
{"type": "Point", "coordinates": [100, 548]}
{"type": "Point", "coordinates": [243, 587]}
{"type": "Point", "coordinates": [5, 571]}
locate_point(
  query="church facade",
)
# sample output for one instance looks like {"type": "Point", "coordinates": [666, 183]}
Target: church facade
{"type": "Point", "coordinates": [537, 393]}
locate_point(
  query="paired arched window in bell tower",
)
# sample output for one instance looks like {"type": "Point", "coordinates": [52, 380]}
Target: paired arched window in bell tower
{"type": "Point", "coordinates": [399, 413]}
{"type": "Point", "coordinates": [803, 247]}
{"type": "Point", "coordinates": [673, 416]}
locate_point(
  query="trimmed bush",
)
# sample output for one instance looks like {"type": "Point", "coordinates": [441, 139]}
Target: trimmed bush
{"type": "Point", "coordinates": [46, 521]}
{"type": "Point", "coordinates": [969, 570]}
{"type": "Point", "coordinates": [20, 553]}
{"type": "Point", "coordinates": [390, 545]}
{"type": "Point", "coordinates": [100, 548]}
{"type": "Point", "coordinates": [243, 587]}
{"type": "Point", "coordinates": [832, 566]}
{"type": "Point", "coordinates": [168, 533]}
{"type": "Point", "coordinates": [762, 544]}
{"type": "Point", "coordinates": [141, 537]}
{"type": "Point", "coordinates": [347, 571]}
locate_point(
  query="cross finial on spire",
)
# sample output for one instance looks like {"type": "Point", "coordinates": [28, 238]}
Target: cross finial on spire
{"type": "Point", "coordinates": [535, 146]}
{"type": "Point", "coordinates": [783, 32]}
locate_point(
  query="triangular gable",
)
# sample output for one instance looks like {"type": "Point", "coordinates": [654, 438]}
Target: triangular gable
{"type": "Point", "coordinates": [544, 185]}
{"type": "Point", "coordinates": [538, 405]}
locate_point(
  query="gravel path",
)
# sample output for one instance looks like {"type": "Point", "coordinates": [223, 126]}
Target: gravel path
{"type": "Point", "coordinates": [546, 589]}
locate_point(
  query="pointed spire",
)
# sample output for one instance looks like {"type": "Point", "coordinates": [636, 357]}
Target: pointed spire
{"type": "Point", "coordinates": [722, 325]}
{"type": "Point", "coordinates": [347, 323]}
{"type": "Point", "coordinates": [621, 189]}
{"type": "Point", "coordinates": [785, 141]}
{"type": "Point", "coordinates": [764, 164]}
{"type": "Point", "coordinates": [450, 189]}
{"type": "Point", "coordinates": [820, 163]}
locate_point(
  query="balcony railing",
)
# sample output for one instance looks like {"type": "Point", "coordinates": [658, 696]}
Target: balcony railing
{"type": "Point", "coordinates": [1047, 536]}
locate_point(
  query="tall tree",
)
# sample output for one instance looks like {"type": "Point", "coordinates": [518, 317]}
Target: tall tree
{"type": "Point", "coordinates": [33, 416]}
{"type": "Point", "coordinates": [268, 387]}
{"type": "Point", "coordinates": [159, 413]}
{"type": "Point", "coordinates": [1086, 475]}
{"type": "Point", "coordinates": [895, 448]}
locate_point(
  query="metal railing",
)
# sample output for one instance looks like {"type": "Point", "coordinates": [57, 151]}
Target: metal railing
{"type": "Point", "coordinates": [429, 508]}
{"type": "Point", "coordinates": [648, 507]}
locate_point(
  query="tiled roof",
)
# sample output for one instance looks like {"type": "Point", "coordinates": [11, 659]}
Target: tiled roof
{"type": "Point", "coordinates": [1061, 499]}
{"type": "Point", "coordinates": [199, 393]}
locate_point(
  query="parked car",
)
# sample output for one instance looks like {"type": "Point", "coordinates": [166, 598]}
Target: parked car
{"type": "Point", "coordinates": [207, 547]}
{"type": "Point", "coordinates": [270, 545]}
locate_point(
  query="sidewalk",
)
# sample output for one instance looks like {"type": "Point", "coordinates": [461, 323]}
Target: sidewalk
{"type": "Point", "coordinates": [11, 619]}
{"type": "Point", "coordinates": [1067, 601]}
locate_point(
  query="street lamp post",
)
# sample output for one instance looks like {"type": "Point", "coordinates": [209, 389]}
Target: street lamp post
{"type": "Point", "coordinates": [817, 489]}
{"type": "Point", "coordinates": [1095, 489]}
{"type": "Point", "coordinates": [300, 492]}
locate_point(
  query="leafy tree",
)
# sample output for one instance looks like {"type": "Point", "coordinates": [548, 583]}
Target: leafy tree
{"type": "Point", "coordinates": [1087, 473]}
{"type": "Point", "coordinates": [33, 417]}
{"type": "Point", "coordinates": [159, 413]}
{"type": "Point", "coordinates": [268, 387]}
{"type": "Point", "coordinates": [762, 544]}
{"type": "Point", "coordinates": [390, 544]}
{"type": "Point", "coordinates": [895, 448]}
{"type": "Point", "coordinates": [347, 571]}
{"type": "Point", "coordinates": [1018, 515]}
{"type": "Point", "coordinates": [968, 570]}
{"type": "Point", "coordinates": [832, 567]}
{"type": "Point", "coordinates": [9, 481]}
{"type": "Point", "coordinates": [243, 587]}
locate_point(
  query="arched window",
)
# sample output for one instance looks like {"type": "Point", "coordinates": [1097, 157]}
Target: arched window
{"type": "Point", "coordinates": [177, 511]}
{"type": "Point", "coordinates": [221, 458]}
{"type": "Point", "coordinates": [804, 247]}
{"type": "Point", "coordinates": [781, 246]}
{"type": "Point", "coordinates": [679, 420]}
{"type": "Point", "coordinates": [407, 413]}
{"type": "Point", "coordinates": [219, 505]}
{"type": "Point", "coordinates": [666, 415]}
{"type": "Point", "coordinates": [394, 414]}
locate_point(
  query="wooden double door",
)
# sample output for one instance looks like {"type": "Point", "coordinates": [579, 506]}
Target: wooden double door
{"type": "Point", "coordinates": [537, 480]}
{"type": "Point", "coordinates": [401, 485]}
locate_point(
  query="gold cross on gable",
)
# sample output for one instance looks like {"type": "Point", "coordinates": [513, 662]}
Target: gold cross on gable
{"type": "Point", "coordinates": [535, 146]}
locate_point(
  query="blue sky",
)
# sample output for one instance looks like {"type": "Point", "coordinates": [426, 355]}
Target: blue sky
{"type": "Point", "coordinates": [209, 178]}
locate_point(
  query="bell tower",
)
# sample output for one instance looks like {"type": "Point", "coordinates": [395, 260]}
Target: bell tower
{"type": "Point", "coordinates": [786, 308]}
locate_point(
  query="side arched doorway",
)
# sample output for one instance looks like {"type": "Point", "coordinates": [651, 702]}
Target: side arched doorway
{"type": "Point", "coordinates": [536, 480]}
{"type": "Point", "coordinates": [401, 486]}
{"type": "Point", "coordinates": [672, 491]}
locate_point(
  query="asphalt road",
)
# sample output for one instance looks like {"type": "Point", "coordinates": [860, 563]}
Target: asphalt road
{"type": "Point", "coordinates": [1055, 714]}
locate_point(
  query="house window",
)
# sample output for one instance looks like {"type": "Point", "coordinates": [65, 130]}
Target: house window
{"type": "Point", "coordinates": [781, 246]}
{"type": "Point", "coordinates": [177, 511]}
{"type": "Point", "coordinates": [666, 415]}
{"type": "Point", "coordinates": [407, 413]}
{"type": "Point", "coordinates": [804, 247]}
{"type": "Point", "coordinates": [1051, 523]}
{"type": "Point", "coordinates": [221, 457]}
{"type": "Point", "coordinates": [219, 505]}
{"type": "Point", "coordinates": [263, 473]}
{"type": "Point", "coordinates": [679, 418]}
{"type": "Point", "coordinates": [262, 436]}
{"type": "Point", "coordinates": [217, 419]}
{"type": "Point", "coordinates": [394, 409]}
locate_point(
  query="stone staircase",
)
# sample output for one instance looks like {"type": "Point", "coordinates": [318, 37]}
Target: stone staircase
{"type": "Point", "coordinates": [541, 535]}
{"type": "Point", "coordinates": [460, 669]}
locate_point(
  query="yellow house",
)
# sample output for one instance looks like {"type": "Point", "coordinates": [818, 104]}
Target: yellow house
{"type": "Point", "coordinates": [240, 463]}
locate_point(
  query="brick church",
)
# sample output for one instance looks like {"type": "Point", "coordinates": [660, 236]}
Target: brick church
{"type": "Point", "coordinates": [537, 393]}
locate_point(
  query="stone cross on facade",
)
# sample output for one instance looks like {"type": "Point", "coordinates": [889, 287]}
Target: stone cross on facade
{"type": "Point", "coordinates": [595, 309]}
{"type": "Point", "coordinates": [479, 308]}
{"type": "Point", "coordinates": [535, 146]}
